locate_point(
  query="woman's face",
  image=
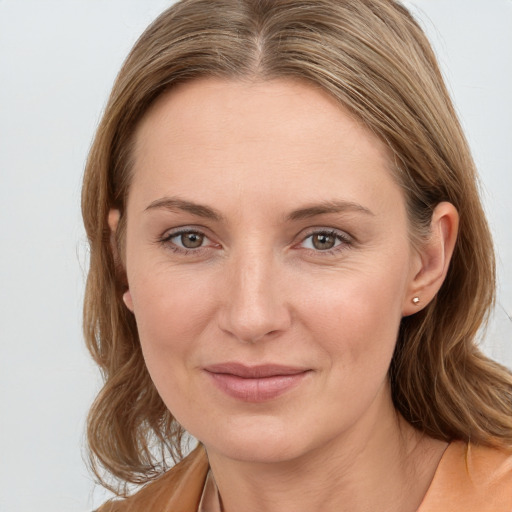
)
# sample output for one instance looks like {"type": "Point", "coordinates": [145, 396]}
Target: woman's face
{"type": "Point", "coordinates": [268, 263]}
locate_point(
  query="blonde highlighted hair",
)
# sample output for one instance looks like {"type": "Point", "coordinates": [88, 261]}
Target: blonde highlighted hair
{"type": "Point", "coordinates": [375, 60]}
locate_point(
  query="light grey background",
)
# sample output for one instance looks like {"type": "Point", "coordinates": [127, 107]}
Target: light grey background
{"type": "Point", "coordinates": [58, 60]}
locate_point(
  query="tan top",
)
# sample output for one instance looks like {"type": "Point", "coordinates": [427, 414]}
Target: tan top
{"type": "Point", "coordinates": [468, 479]}
{"type": "Point", "coordinates": [178, 490]}
{"type": "Point", "coordinates": [471, 478]}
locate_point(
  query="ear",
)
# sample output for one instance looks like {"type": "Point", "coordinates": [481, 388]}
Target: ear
{"type": "Point", "coordinates": [432, 259]}
{"type": "Point", "coordinates": [127, 299]}
{"type": "Point", "coordinates": [113, 222]}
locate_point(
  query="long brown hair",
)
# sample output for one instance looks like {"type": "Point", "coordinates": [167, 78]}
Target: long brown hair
{"type": "Point", "coordinates": [373, 57]}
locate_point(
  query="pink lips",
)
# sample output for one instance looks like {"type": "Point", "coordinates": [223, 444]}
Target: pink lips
{"type": "Point", "coordinates": [255, 383]}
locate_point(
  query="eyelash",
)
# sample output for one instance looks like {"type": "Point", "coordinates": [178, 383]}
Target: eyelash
{"type": "Point", "coordinates": [345, 241]}
{"type": "Point", "coordinates": [166, 240]}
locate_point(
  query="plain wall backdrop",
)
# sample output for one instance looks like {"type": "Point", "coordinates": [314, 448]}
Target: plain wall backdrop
{"type": "Point", "coordinates": [58, 60]}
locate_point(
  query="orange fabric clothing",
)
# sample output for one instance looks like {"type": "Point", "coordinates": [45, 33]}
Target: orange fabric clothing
{"type": "Point", "coordinates": [468, 478]}
{"type": "Point", "coordinates": [471, 478]}
{"type": "Point", "coordinates": [178, 490]}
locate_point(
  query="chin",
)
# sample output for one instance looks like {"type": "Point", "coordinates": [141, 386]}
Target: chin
{"type": "Point", "coordinates": [261, 441]}
{"type": "Point", "coordinates": [257, 451]}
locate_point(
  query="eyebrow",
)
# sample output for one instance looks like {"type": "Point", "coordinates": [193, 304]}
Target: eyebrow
{"type": "Point", "coordinates": [174, 203]}
{"type": "Point", "coordinates": [325, 207]}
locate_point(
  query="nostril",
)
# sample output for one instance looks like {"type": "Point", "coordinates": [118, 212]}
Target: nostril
{"type": "Point", "coordinates": [253, 305]}
{"type": "Point", "coordinates": [252, 328]}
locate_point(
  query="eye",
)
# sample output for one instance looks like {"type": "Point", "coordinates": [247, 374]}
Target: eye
{"type": "Point", "coordinates": [325, 240]}
{"type": "Point", "coordinates": [186, 240]}
{"type": "Point", "coordinates": [189, 240]}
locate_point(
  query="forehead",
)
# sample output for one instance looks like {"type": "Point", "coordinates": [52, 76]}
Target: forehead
{"type": "Point", "coordinates": [207, 107]}
{"type": "Point", "coordinates": [295, 138]}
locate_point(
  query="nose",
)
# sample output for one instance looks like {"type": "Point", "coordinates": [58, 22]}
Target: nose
{"type": "Point", "coordinates": [254, 305]}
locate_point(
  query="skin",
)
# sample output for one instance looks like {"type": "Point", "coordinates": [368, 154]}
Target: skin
{"type": "Point", "coordinates": [261, 288]}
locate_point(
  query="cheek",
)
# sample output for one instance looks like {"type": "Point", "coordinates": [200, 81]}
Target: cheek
{"type": "Point", "coordinates": [172, 310]}
{"type": "Point", "coordinates": [354, 316]}
{"type": "Point", "coordinates": [172, 315]}
{"type": "Point", "coordinates": [171, 307]}
{"type": "Point", "coordinates": [353, 326]}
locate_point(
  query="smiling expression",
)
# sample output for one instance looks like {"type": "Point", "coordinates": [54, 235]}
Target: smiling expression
{"type": "Point", "coordinates": [268, 262]}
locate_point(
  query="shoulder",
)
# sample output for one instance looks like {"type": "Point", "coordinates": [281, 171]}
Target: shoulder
{"type": "Point", "coordinates": [471, 478]}
{"type": "Point", "coordinates": [178, 490]}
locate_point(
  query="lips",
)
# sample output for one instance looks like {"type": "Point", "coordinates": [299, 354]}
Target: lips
{"type": "Point", "coordinates": [255, 383]}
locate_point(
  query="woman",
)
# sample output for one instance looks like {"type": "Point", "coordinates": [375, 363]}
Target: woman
{"type": "Point", "coordinates": [290, 261]}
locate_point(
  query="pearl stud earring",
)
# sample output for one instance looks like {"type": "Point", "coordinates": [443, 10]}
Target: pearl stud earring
{"type": "Point", "coordinates": [415, 300]}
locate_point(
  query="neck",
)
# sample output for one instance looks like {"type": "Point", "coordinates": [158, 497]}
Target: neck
{"type": "Point", "coordinates": [381, 463]}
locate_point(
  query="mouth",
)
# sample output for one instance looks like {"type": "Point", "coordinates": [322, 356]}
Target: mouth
{"type": "Point", "coordinates": [255, 383]}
